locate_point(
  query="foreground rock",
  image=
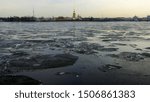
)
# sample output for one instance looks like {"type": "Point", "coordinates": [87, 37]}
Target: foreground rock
{"type": "Point", "coordinates": [22, 61]}
{"type": "Point", "coordinates": [17, 80]}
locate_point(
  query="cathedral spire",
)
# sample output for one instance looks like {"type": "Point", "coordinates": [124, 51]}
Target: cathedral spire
{"type": "Point", "coordinates": [74, 15]}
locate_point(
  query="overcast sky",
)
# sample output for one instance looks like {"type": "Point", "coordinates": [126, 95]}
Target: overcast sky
{"type": "Point", "coordinates": [96, 8]}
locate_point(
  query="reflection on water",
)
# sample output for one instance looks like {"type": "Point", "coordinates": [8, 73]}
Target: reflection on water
{"type": "Point", "coordinates": [100, 47]}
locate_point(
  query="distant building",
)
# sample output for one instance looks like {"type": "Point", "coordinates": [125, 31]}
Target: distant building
{"type": "Point", "coordinates": [60, 18]}
{"type": "Point", "coordinates": [148, 18]}
{"type": "Point", "coordinates": [135, 18]}
{"type": "Point", "coordinates": [42, 19]}
{"type": "Point", "coordinates": [88, 19]}
{"type": "Point", "coordinates": [79, 17]}
{"type": "Point", "coordinates": [74, 15]}
{"type": "Point", "coordinates": [68, 18]}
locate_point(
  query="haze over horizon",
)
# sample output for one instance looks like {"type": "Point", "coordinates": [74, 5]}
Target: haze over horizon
{"type": "Point", "coordinates": [85, 8]}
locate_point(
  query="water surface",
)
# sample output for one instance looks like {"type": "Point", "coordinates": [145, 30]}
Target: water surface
{"type": "Point", "coordinates": [108, 52]}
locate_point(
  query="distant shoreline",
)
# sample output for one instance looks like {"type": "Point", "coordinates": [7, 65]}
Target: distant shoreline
{"type": "Point", "coordinates": [69, 19]}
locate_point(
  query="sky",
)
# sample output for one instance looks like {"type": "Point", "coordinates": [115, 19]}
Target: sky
{"type": "Point", "coordinates": [85, 8]}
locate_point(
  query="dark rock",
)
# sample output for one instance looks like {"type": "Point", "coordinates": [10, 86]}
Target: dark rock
{"type": "Point", "coordinates": [17, 80]}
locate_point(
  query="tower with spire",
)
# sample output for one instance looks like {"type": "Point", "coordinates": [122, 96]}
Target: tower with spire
{"type": "Point", "coordinates": [74, 15]}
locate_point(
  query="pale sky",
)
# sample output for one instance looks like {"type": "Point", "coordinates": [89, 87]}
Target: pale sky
{"type": "Point", "coordinates": [85, 8]}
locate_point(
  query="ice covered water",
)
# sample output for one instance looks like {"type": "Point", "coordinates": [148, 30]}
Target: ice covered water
{"type": "Point", "coordinates": [120, 49]}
